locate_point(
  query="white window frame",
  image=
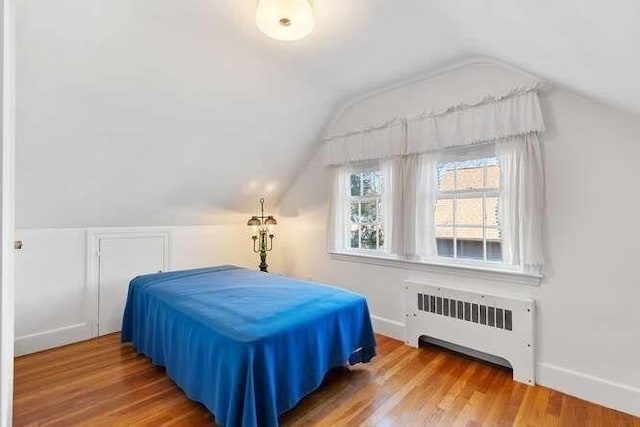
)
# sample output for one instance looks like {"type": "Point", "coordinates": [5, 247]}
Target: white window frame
{"type": "Point", "coordinates": [378, 199]}
{"type": "Point", "coordinates": [484, 193]}
{"type": "Point", "coordinates": [462, 267]}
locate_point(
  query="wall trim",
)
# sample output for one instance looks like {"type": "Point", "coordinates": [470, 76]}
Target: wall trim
{"type": "Point", "coordinates": [52, 338]}
{"type": "Point", "coordinates": [607, 393]}
{"type": "Point", "coordinates": [465, 271]}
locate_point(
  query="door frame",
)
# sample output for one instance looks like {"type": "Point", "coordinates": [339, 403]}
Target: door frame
{"type": "Point", "coordinates": [7, 210]}
{"type": "Point", "coordinates": [94, 235]}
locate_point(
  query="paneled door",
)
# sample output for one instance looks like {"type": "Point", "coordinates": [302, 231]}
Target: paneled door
{"type": "Point", "coordinates": [121, 259]}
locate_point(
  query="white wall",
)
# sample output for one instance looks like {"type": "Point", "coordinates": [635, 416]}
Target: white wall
{"type": "Point", "coordinates": [52, 302]}
{"type": "Point", "coordinates": [588, 328]}
{"type": "Point", "coordinates": [165, 112]}
{"type": "Point", "coordinates": [155, 112]}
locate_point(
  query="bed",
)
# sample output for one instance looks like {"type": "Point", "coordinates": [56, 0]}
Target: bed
{"type": "Point", "coordinates": [246, 344]}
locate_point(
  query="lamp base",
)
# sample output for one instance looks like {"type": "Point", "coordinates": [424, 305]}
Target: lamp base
{"type": "Point", "coordinates": [263, 261]}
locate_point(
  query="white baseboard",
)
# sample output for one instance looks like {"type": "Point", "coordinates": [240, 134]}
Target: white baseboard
{"type": "Point", "coordinates": [588, 387]}
{"type": "Point", "coordinates": [387, 327]}
{"type": "Point", "coordinates": [52, 338]}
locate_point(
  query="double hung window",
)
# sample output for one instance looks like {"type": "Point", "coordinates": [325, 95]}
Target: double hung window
{"type": "Point", "coordinates": [466, 209]}
{"type": "Point", "coordinates": [366, 222]}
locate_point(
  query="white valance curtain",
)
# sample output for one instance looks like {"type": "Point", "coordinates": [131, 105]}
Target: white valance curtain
{"type": "Point", "coordinates": [488, 120]}
{"type": "Point", "coordinates": [492, 119]}
{"type": "Point", "coordinates": [377, 142]}
{"type": "Point", "coordinates": [413, 146]}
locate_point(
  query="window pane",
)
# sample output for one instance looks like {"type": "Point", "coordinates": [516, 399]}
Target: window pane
{"type": "Point", "coordinates": [493, 234]}
{"type": "Point", "coordinates": [470, 249]}
{"type": "Point", "coordinates": [493, 176]}
{"type": "Point", "coordinates": [355, 215]}
{"type": "Point", "coordinates": [355, 184]}
{"type": "Point", "coordinates": [469, 233]}
{"type": "Point", "coordinates": [444, 212]}
{"type": "Point", "coordinates": [366, 183]}
{"type": "Point", "coordinates": [491, 209]}
{"type": "Point", "coordinates": [469, 242]}
{"type": "Point", "coordinates": [446, 176]}
{"type": "Point", "coordinates": [376, 182]}
{"type": "Point", "coordinates": [470, 178]}
{"type": "Point", "coordinates": [466, 217]}
{"type": "Point", "coordinates": [381, 236]}
{"type": "Point", "coordinates": [371, 183]}
{"type": "Point", "coordinates": [355, 235]}
{"type": "Point", "coordinates": [494, 251]}
{"type": "Point", "coordinates": [444, 241]}
{"type": "Point", "coordinates": [445, 247]}
{"type": "Point", "coordinates": [444, 232]}
{"type": "Point", "coordinates": [469, 211]}
{"type": "Point", "coordinates": [368, 211]}
{"type": "Point", "coordinates": [368, 237]}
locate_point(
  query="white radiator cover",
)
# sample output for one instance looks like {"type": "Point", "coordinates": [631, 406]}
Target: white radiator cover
{"type": "Point", "coordinates": [502, 326]}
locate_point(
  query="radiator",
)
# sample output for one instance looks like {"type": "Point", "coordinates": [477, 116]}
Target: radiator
{"type": "Point", "coordinates": [501, 326]}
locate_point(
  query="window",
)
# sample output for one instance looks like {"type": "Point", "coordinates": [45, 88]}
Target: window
{"type": "Point", "coordinates": [460, 207]}
{"type": "Point", "coordinates": [461, 188]}
{"type": "Point", "coordinates": [466, 211]}
{"type": "Point", "coordinates": [366, 220]}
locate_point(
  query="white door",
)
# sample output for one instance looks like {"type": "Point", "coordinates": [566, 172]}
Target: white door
{"type": "Point", "coordinates": [122, 259]}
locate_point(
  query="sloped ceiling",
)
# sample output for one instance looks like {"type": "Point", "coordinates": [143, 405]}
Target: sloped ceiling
{"type": "Point", "coordinates": [161, 112]}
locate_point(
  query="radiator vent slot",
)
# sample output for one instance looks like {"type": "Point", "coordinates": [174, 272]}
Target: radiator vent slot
{"type": "Point", "coordinates": [494, 317]}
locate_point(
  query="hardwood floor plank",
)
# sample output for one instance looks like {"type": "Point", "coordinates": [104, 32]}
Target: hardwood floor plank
{"type": "Point", "coordinates": [430, 412]}
{"type": "Point", "coordinates": [510, 411]}
{"type": "Point", "coordinates": [417, 377]}
{"type": "Point", "coordinates": [538, 412]}
{"type": "Point", "coordinates": [490, 396]}
{"type": "Point", "coordinates": [105, 383]}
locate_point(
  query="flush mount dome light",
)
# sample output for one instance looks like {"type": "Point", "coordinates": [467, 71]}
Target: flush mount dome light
{"type": "Point", "coordinates": [285, 19]}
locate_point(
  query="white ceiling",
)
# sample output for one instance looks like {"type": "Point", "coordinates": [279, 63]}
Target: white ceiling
{"type": "Point", "coordinates": [158, 112]}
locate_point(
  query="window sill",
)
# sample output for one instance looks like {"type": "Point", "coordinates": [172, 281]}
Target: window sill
{"type": "Point", "coordinates": [463, 270]}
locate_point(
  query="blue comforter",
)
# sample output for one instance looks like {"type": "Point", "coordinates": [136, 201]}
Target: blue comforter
{"type": "Point", "coordinates": [246, 344]}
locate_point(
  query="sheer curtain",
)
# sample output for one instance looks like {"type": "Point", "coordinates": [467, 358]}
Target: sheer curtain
{"type": "Point", "coordinates": [339, 211]}
{"type": "Point", "coordinates": [392, 204]}
{"type": "Point", "coordinates": [420, 191]}
{"type": "Point", "coordinates": [521, 202]}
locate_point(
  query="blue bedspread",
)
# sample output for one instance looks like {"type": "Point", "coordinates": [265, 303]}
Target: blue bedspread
{"type": "Point", "coordinates": [246, 344]}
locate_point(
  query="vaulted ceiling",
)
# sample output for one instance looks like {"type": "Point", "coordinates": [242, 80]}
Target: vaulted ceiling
{"type": "Point", "coordinates": [159, 112]}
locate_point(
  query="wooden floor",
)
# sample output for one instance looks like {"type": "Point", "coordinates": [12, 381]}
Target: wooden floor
{"type": "Point", "coordinates": [102, 382]}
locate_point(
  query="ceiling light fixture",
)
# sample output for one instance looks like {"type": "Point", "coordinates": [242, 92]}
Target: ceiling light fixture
{"type": "Point", "coordinates": [285, 19]}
